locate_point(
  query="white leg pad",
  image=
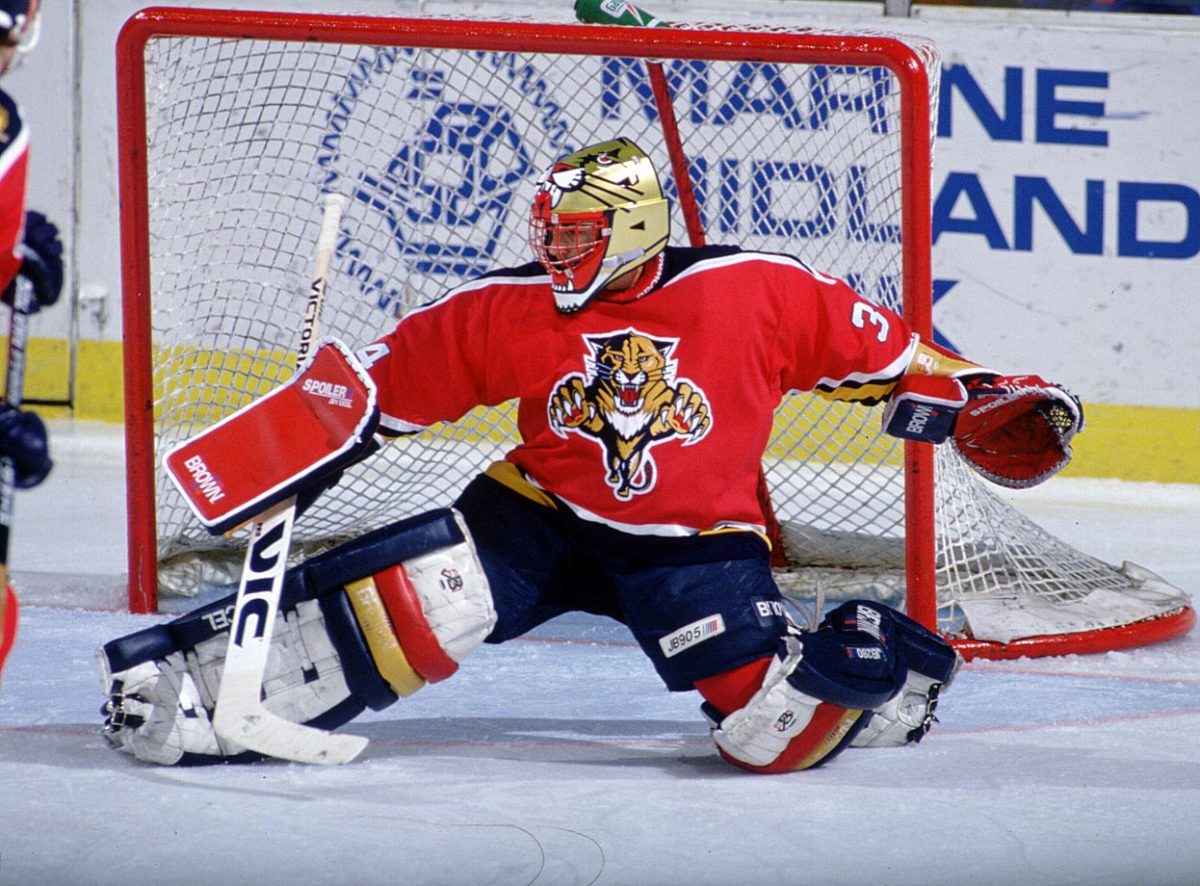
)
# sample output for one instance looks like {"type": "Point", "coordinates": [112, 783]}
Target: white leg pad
{"type": "Point", "coordinates": [161, 710]}
{"type": "Point", "coordinates": [907, 717]}
{"type": "Point", "coordinates": [759, 733]}
{"type": "Point", "coordinates": [454, 595]}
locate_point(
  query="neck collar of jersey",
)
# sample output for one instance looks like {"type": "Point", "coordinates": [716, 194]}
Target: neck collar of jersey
{"type": "Point", "coordinates": [642, 286]}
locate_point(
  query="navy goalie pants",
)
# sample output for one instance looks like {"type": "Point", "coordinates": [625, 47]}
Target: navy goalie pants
{"type": "Point", "coordinates": [697, 605]}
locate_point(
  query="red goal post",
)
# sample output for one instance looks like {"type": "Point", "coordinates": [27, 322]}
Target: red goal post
{"type": "Point", "coordinates": [232, 123]}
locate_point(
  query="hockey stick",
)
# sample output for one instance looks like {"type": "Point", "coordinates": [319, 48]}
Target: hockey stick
{"type": "Point", "coordinates": [240, 715]}
{"type": "Point", "coordinates": [14, 393]}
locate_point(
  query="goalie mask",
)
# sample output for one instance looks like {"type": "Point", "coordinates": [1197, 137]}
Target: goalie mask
{"type": "Point", "coordinates": [598, 214]}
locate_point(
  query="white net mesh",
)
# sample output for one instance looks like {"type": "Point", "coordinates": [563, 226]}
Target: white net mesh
{"type": "Point", "coordinates": [438, 150]}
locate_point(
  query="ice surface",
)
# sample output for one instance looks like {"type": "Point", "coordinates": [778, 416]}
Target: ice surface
{"type": "Point", "coordinates": [560, 759]}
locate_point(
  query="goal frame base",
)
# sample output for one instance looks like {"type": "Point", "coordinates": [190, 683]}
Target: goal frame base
{"type": "Point", "coordinates": [1141, 633]}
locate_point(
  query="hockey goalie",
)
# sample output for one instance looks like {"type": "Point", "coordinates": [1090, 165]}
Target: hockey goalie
{"type": "Point", "coordinates": [647, 376]}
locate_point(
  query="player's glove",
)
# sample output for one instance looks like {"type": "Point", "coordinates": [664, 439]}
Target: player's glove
{"type": "Point", "coordinates": [23, 439]}
{"type": "Point", "coordinates": [1017, 430]}
{"type": "Point", "coordinates": [41, 260]}
{"type": "Point", "coordinates": [1014, 430]}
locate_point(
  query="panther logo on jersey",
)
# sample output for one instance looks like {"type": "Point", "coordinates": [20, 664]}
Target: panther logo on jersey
{"type": "Point", "coordinates": [629, 400]}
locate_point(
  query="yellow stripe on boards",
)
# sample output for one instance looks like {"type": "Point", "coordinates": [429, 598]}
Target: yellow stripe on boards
{"type": "Point", "coordinates": [1158, 444]}
{"type": "Point", "coordinates": [1146, 443]}
{"type": "Point", "coordinates": [99, 381]}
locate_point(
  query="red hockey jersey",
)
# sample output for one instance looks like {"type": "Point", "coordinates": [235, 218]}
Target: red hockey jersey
{"type": "Point", "coordinates": [649, 412]}
{"type": "Point", "coordinates": [14, 159]}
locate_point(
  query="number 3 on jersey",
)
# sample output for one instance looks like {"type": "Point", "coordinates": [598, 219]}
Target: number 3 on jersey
{"type": "Point", "coordinates": [864, 314]}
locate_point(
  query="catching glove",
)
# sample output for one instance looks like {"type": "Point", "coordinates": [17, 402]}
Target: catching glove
{"type": "Point", "coordinates": [1016, 430]}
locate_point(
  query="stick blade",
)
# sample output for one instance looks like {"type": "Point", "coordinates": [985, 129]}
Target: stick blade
{"type": "Point", "coordinates": [259, 730]}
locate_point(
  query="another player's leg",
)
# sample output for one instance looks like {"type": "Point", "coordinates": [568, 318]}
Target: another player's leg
{"type": "Point", "coordinates": [8, 623]}
{"type": "Point", "coordinates": [359, 626]}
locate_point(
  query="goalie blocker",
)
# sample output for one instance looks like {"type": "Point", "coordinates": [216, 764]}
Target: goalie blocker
{"type": "Point", "coordinates": [358, 627]}
{"type": "Point", "coordinates": [295, 440]}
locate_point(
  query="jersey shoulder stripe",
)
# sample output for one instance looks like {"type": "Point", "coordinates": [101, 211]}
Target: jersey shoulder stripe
{"type": "Point", "coordinates": [531, 274]}
{"type": "Point", "coordinates": [684, 261]}
{"type": "Point", "coordinates": [870, 387]}
{"type": "Point", "coordinates": [680, 259]}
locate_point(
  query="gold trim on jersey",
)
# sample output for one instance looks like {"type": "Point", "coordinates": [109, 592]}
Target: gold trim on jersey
{"type": "Point", "coordinates": [931, 360]}
{"type": "Point", "coordinates": [508, 474]}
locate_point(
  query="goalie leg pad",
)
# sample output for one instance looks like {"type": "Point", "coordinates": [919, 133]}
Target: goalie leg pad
{"type": "Point", "coordinates": [162, 682]}
{"type": "Point", "coordinates": [432, 585]}
{"type": "Point", "coordinates": [386, 652]}
{"type": "Point", "coordinates": [335, 650]}
{"type": "Point", "coordinates": [782, 728]}
{"type": "Point", "coordinates": [909, 715]}
{"type": "Point", "coordinates": [817, 692]}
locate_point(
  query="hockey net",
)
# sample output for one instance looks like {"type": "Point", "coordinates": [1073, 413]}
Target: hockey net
{"type": "Point", "coordinates": [233, 125]}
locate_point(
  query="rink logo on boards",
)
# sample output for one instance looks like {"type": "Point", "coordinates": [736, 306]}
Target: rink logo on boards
{"type": "Point", "coordinates": [209, 485]}
{"type": "Point", "coordinates": [689, 635]}
{"type": "Point", "coordinates": [446, 183]}
{"type": "Point", "coordinates": [455, 166]}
